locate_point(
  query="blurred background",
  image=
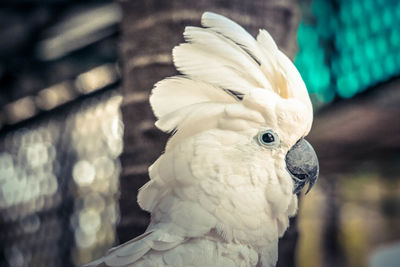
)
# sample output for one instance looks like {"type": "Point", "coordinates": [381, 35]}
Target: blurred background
{"type": "Point", "coordinates": [77, 133]}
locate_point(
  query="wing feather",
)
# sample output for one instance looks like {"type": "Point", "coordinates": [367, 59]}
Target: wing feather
{"type": "Point", "coordinates": [132, 251]}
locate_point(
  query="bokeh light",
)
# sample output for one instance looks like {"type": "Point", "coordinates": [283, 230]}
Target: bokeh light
{"type": "Point", "coordinates": [59, 185]}
{"type": "Point", "coordinates": [348, 47]}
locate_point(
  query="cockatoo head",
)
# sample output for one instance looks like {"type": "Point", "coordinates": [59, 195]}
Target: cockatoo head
{"type": "Point", "coordinates": [245, 93]}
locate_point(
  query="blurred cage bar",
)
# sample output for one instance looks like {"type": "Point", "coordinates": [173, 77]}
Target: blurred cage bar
{"type": "Point", "coordinates": [61, 132]}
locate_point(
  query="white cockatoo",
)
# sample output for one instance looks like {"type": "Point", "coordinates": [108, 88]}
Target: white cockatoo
{"type": "Point", "coordinates": [223, 191]}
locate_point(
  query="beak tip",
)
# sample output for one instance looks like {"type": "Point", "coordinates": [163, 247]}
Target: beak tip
{"type": "Point", "coordinates": [309, 188]}
{"type": "Point", "coordinates": [299, 185]}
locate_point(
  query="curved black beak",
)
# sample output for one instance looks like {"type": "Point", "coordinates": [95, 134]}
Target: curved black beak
{"type": "Point", "coordinates": [302, 163]}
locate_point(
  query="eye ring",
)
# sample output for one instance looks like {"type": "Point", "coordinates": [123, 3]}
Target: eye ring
{"type": "Point", "coordinates": [268, 138]}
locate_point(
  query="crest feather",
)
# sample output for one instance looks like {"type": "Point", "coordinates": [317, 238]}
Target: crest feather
{"type": "Point", "coordinates": [221, 64]}
{"type": "Point", "coordinates": [177, 92]}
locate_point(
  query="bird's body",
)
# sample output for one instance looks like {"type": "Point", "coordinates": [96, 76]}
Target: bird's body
{"type": "Point", "coordinates": [222, 192]}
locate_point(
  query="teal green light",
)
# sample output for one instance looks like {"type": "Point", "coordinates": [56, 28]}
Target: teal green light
{"type": "Point", "coordinates": [345, 17]}
{"type": "Point", "coordinates": [321, 7]}
{"type": "Point", "coordinates": [347, 48]}
{"type": "Point", "coordinates": [363, 31]}
{"type": "Point", "coordinates": [333, 24]}
{"type": "Point", "coordinates": [320, 79]}
{"type": "Point", "coordinates": [351, 39]}
{"type": "Point", "coordinates": [394, 38]}
{"type": "Point", "coordinates": [308, 34]}
{"type": "Point", "coordinates": [327, 95]}
{"type": "Point", "coordinates": [376, 71]}
{"type": "Point", "coordinates": [388, 18]}
{"type": "Point", "coordinates": [369, 51]}
{"type": "Point", "coordinates": [375, 23]}
{"type": "Point", "coordinates": [365, 77]}
{"type": "Point", "coordinates": [390, 64]}
{"type": "Point", "coordinates": [335, 66]}
{"type": "Point", "coordinates": [356, 9]}
{"type": "Point", "coordinates": [347, 86]}
{"type": "Point", "coordinates": [397, 59]}
{"type": "Point", "coordinates": [358, 58]}
{"type": "Point", "coordinates": [381, 45]}
{"type": "Point", "coordinates": [346, 64]}
{"type": "Point", "coordinates": [369, 5]}
{"type": "Point", "coordinates": [397, 11]}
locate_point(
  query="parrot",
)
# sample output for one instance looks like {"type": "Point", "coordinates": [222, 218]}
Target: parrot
{"type": "Point", "coordinates": [222, 192]}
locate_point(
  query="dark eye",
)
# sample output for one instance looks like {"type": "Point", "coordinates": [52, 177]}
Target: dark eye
{"type": "Point", "coordinates": [268, 138]}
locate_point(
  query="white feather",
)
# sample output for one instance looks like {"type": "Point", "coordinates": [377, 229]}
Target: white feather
{"type": "Point", "coordinates": [218, 44]}
{"type": "Point", "coordinates": [233, 31]}
{"type": "Point", "coordinates": [240, 36]}
{"type": "Point", "coordinates": [201, 64]}
{"type": "Point", "coordinates": [177, 92]}
{"type": "Point", "coordinates": [176, 119]}
{"type": "Point", "coordinates": [268, 46]}
{"type": "Point", "coordinates": [266, 42]}
{"type": "Point", "coordinates": [295, 83]}
{"type": "Point", "coordinates": [133, 250]}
